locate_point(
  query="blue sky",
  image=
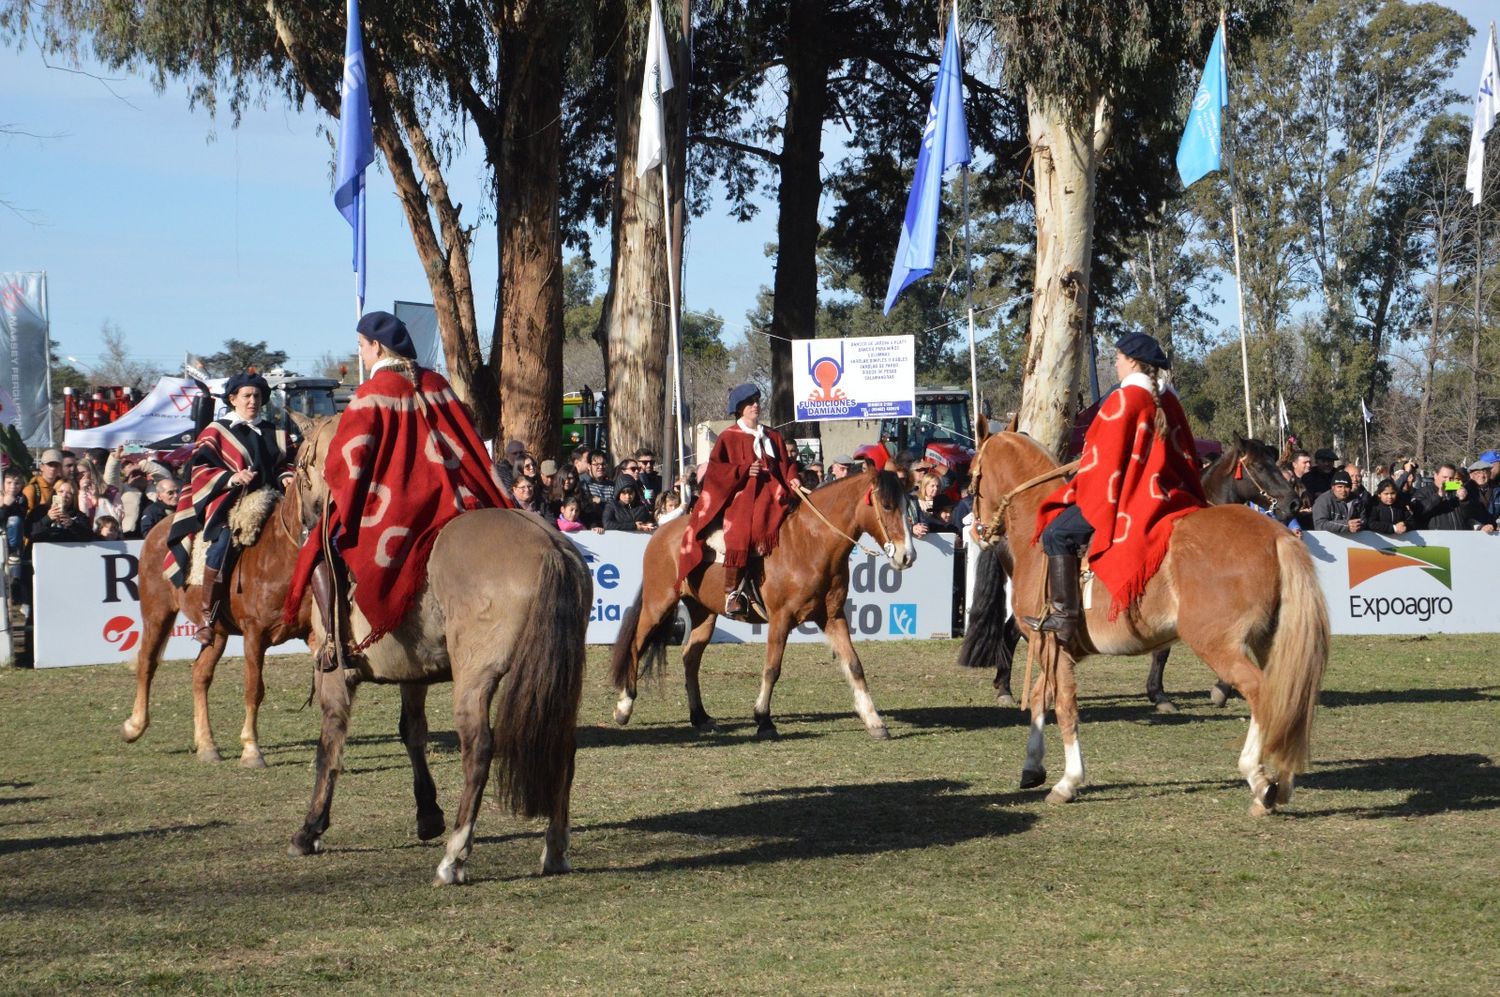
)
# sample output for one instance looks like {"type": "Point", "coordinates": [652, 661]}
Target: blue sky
{"type": "Point", "coordinates": [184, 231]}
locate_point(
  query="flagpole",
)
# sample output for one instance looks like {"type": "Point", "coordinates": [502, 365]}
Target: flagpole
{"type": "Point", "coordinates": [666, 217]}
{"type": "Point", "coordinates": [1234, 229]}
{"type": "Point", "coordinates": [359, 302]}
{"type": "Point", "coordinates": [969, 269]}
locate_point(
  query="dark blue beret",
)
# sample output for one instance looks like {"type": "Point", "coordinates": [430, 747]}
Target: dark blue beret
{"type": "Point", "coordinates": [1139, 346]}
{"type": "Point", "coordinates": [742, 395]}
{"type": "Point", "coordinates": [388, 330]}
{"type": "Point", "coordinates": [246, 380]}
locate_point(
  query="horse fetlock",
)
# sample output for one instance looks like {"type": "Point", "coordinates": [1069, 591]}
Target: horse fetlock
{"type": "Point", "coordinates": [132, 728]}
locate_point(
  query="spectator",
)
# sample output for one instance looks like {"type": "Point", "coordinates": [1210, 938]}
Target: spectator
{"type": "Point", "coordinates": [1408, 478]}
{"type": "Point", "coordinates": [626, 512]}
{"type": "Point", "coordinates": [1478, 497]}
{"type": "Point", "coordinates": [524, 466]}
{"type": "Point", "coordinates": [668, 507]}
{"type": "Point", "coordinates": [1437, 506]}
{"type": "Point", "coordinates": [1336, 510]}
{"type": "Point", "coordinates": [564, 486]}
{"type": "Point", "coordinates": [1389, 514]}
{"type": "Point", "coordinates": [13, 511]}
{"type": "Point", "coordinates": [38, 490]}
{"type": "Point", "coordinates": [927, 488]}
{"type": "Point", "coordinates": [650, 477]}
{"type": "Point", "coordinates": [95, 499]}
{"type": "Point", "coordinates": [1357, 476]}
{"type": "Point", "coordinates": [940, 519]}
{"type": "Point", "coordinates": [840, 467]}
{"type": "Point", "coordinates": [597, 486]}
{"type": "Point", "coordinates": [580, 461]}
{"type": "Point", "coordinates": [547, 476]}
{"type": "Point", "coordinates": [60, 519]}
{"type": "Point", "coordinates": [162, 507]}
{"type": "Point", "coordinates": [567, 517]}
{"type": "Point", "coordinates": [70, 466]}
{"type": "Point", "coordinates": [107, 528]}
{"type": "Point", "coordinates": [1320, 477]}
{"type": "Point", "coordinates": [816, 469]}
{"type": "Point", "coordinates": [809, 479]}
{"type": "Point", "coordinates": [525, 493]}
{"type": "Point", "coordinates": [506, 467]}
{"type": "Point", "coordinates": [631, 469]}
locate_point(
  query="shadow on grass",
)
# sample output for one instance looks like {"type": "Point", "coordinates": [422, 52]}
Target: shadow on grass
{"type": "Point", "coordinates": [12, 845]}
{"type": "Point", "coordinates": [8, 801]}
{"type": "Point", "coordinates": [818, 821]}
{"type": "Point", "coordinates": [1336, 699]}
{"type": "Point", "coordinates": [1435, 784]}
{"type": "Point", "coordinates": [725, 734]}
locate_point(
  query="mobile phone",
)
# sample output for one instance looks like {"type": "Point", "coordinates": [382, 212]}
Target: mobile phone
{"type": "Point", "coordinates": [1452, 486]}
{"type": "Point", "coordinates": [57, 502]}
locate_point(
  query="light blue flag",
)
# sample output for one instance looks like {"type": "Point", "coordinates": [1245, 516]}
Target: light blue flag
{"type": "Point", "coordinates": [356, 147]}
{"type": "Point", "coordinates": [945, 143]}
{"type": "Point", "coordinates": [1203, 139]}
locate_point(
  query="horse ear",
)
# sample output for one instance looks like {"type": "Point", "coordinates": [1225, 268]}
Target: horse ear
{"type": "Point", "coordinates": [981, 428]}
{"type": "Point", "coordinates": [1014, 425]}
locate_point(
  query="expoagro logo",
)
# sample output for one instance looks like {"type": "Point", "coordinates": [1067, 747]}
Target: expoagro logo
{"type": "Point", "coordinates": [1366, 564]}
{"type": "Point", "coordinates": [121, 630]}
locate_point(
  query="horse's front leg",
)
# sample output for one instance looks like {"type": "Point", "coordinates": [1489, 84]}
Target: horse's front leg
{"type": "Point", "coordinates": [1034, 769]}
{"type": "Point", "coordinates": [703, 621]}
{"type": "Point", "coordinates": [413, 727]}
{"type": "Point", "coordinates": [1074, 778]}
{"type": "Point", "coordinates": [1154, 689]}
{"type": "Point", "coordinates": [203, 677]}
{"type": "Point", "coordinates": [776, 634]}
{"type": "Point", "coordinates": [157, 629]}
{"type": "Point", "coordinates": [837, 633]}
{"type": "Point", "coordinates": [255, 694]}
{"type": "Point", "coordinates": [336, 697]}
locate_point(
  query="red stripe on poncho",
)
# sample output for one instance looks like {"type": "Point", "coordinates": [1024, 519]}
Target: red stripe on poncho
{"type": "Point", "coordinates": [1131, 487]}
{"type": "Point", "coordinates": [402, 464]}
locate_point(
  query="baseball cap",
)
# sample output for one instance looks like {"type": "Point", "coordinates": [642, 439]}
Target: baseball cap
{"type": "Point", "coordinates": [1480, 465]}
{"type": "Point", "coordinates": [1342, 478]}
{"type": "Point", "coordinates": [549, 467]}
{"type": "Point", "coordinates": [1490, 456]}
{"type": "Point", "coordinates": [51, 456]}
{"type": "Point", "coordinates": [843, 458]}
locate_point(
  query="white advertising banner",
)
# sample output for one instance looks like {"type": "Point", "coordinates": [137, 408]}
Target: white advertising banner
{"type": "Point", "coordinates": [165, 412]}
{"type": "Point", "coordinates": [86, 607]}
{"type": "Point", "coordinates": [25, 368]}
{"type": "Point", "coordinates": [1419, 583]}
{"type": "Point", "coordinates": [883, 603]}
{"type": "Point", "coordinates": [867, 377]}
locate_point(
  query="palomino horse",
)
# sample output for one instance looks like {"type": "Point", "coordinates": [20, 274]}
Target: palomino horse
{"type": "Point", "coordinates": [506, 598]}
{"type": "Point", "coordinates": [257, 592]}
{"type": "Point", "coordinates": [1247, 472]}
{"type": "Point", "coordinates": [806, 578]}
{"type": "Point", "coordinates": [1237, 588]}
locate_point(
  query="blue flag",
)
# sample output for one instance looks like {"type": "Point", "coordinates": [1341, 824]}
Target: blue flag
{"type": "Point", "coordinates": [945, 143]}
{"type": "Point", "coordinates": [1203, 138]}
{"type": "Point", "coordinates": [356, 147]}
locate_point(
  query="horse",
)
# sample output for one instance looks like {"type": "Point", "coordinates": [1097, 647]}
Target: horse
{"type": "Point", "coordinates": [1245, 473]}
{"type": "Point", "coordinates": [806, 578]}
{"type": "Point", "coordinates": [1239, 589]}
{"type": "Point", "coordinates": [506, 599]}
{"type": "Point", "coordinates": [258, 585]}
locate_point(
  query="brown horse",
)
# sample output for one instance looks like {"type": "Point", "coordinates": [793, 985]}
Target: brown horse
{"type": "Point", "coordinates": [506, 600]}
{"type": "Point", "coordinates": [806, 578]}
{"type": "Point", "coordinates": [257, 591]}
{"type": "Point", "coordinates": [1239, 589]}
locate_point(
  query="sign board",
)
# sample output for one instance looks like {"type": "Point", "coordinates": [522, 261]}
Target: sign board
{"type": "Point", "coordinates": [25, 368]}
{"type": "Point", "coordinates": [86, 607]}
{"type": "Point", "coordinates": [1440, 581]}
{"type": "Point", "coordinates": [866, 377]}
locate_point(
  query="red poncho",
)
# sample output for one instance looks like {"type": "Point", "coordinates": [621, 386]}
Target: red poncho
{"type": "Point", "coordinates": [1131, 487]}
{"type": "Point", "coordinates": [401, 465]}
{"type": "Point", "coordinates": [753, 508]}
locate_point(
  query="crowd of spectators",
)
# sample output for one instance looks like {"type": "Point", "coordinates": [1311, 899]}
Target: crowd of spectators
{"type": "Point", "coordinates": [1395, 498]}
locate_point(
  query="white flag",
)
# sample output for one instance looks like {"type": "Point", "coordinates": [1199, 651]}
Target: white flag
{"type": "Point", "coordinates": [1281, 403]}
{"type": "Point", "coordinates": [657, 81]}
{"type": "Point", "coordinates": [1486, 109]}
{"type": "Point", "coordinates": [1364, 410]}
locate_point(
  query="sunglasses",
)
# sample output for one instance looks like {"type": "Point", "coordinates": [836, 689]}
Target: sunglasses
{"type": "Point", "coordinates": [647, 462]}
{"type": "Point", "coordinates": [631, 467]}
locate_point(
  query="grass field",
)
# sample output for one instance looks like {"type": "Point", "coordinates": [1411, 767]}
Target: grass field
{"type": "Point", "coordinates": [822, 862]}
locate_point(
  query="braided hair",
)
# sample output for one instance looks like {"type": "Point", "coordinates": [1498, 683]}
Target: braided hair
{"type": "Point", "coordinates": [1158, 378]}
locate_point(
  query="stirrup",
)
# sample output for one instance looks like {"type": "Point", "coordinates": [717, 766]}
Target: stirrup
{"type": "Point", "coordinates": [736, 606]}
{"type": "Point", "coordinates": [204, 635]}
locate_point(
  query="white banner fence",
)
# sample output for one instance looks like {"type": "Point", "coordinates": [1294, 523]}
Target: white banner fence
{"type": "Point", "coordinates": [87, 604]}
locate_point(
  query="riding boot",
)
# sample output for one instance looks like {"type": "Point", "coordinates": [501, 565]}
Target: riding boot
{"type": "Point", "coordinates": [331, 653]}
{"type": "Point", "coordinates": [209, 598]}
{"type": "Point", "coordinates": [1064, 613]}
{"type": "Point", "coordinates": [734, 599]}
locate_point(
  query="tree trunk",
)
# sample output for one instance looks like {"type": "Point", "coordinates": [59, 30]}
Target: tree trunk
{"type": "Point", "coordinates": [794, 309]}
{"type": "Point", "coordinates": [1065, 149]}
{"type": "Point", "coordinates": [527, 350]}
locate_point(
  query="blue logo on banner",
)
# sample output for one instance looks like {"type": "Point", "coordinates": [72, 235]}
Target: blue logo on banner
{"type": "Point", "coordinates": [904, 619]}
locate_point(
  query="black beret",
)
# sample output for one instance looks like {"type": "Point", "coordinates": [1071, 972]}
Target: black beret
{"type": "Point", "coordinates": [1139, 346]}
{"type": "Point", "coordinates": [246, 379]}
{"type": "Point", "coordinates": [388, 330]}
{"type": "Point", "coordinates": [741, 395]}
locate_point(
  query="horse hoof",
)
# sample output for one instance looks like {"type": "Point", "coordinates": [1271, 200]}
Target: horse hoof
{"type": "Point", "coordinates": [1058, 796]}
{"type": "Point", "coordinates": [559, 867]}
{"type": "Point", "coordinates": [1005, 699]}
{"type": "Point", "coordinates": [450, 874]}
{"type": "Point", "coordinates": [131, 730]}
{"type": "Point", "coordinates": [252, 759]}
{"type": "Point", "coordinates": [1258, 809]}
{"type": "Point", "coordinates": [767, 732]}
{"type": "Point", "coordinates": [1218, 697]}
{"type": "Point", "coordinates": [705, 724]}
{"type": "Point", "coordinates": [1165, 706]}
{"type": "Point", "coordinates": [303, 845]}
{"type": "Point", "coordinates": [881, 733]}
{"type": "Point", "coordinates": [209, 754]}
{"type": "Point", "coordinates": [622, 717]}
{"type": "Point", "coordinates": [1032, 778]}
{"type": "Point", "coordinates": [430, 826]}
{"type": "Point", "coordinates": [1269, 794]}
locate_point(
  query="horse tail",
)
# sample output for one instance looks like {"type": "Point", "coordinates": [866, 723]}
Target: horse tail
{"type": "Point", "coordinates": [1294, 668]}
{"type": "Point", "coordinates": [534, 733]}
{"type": "Point", "coordinates": [985, 644]}
{"type": "Point", "coordinates": [627, 663]}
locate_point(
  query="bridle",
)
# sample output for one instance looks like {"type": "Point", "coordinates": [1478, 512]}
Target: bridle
{"type": "Point", "coordinates": [887, 547]}
{"type": "Point", "coordinates": [984, 528]}
{"type": "Point", "coordinates": [1242, 466]}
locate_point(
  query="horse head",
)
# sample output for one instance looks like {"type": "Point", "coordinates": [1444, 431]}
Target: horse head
{"type": "Point", "coordinates": [312, 490]}
{"type": "Point", "coordinates": [1003, 462]}
{"type": "Point", "coordinates": [884, 515]}
{"type": "Point", "coordinates": [1248, 472]}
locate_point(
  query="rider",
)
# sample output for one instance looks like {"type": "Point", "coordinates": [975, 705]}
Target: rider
{"type": "Point", "coordinates": [241, 452]}
{"type": "Point", "coordinates": [748, 481]}
{"type": "Point", "coordinates": [1137, 476]}
{"type": "Point", "coordinates": [404, 461]}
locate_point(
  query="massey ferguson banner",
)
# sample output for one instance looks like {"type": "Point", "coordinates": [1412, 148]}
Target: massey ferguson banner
{"type": "Point", "coordinates": [1419, 583]}
{"type": "Point", "coordinates": [24, 369]}
{"type": "Point", "coordinates": [866, 377]}
{"type": "Point", "coordinates": [166, 412]}
{"type": "Point", "coordinates": [86, 604]}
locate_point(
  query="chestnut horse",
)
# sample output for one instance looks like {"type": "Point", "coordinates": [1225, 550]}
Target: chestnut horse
{"type": "Point", "coordinates": [1245, 473]}
{"type": "Point", "coordinates": [805, 578]}
{"type": "Point", "coordinates": [502, 615]}
{"type": "Point", "coordinates": [1239, 589]}
{"type": "Point", "coordinates": [257, 591]}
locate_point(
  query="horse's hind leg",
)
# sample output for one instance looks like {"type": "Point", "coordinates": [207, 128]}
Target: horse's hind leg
{"type": "Point", "coordinates": [157, 629]}
{"type": "Point", "coordinates": [555, 848]}
{"type": "Point", "coordinates": [476, 742]}
{"type": "Point", "coordinates": [703, 621]}
{"type": "Point", "coordinates": [203, 677]}
{"type": "Point", "coordinates": [336, 697]}
{"type": "Point", "coordinates": [255, 694]}
{"type": "Point", "coordinates": [1234, 667]}
{"type": "Point", "coordinates": [413, 727]}
{"type": "Point", "coordinates": [1010, 637]}
{"type": "Point", "coordinates": [837, 633]}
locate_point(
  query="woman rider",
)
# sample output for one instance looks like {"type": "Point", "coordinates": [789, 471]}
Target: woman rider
{"type": "Point", "coordinates": [233, 455]}
{"type": "Point", "coordinates": [1137, 476]}
{"type": "Point", "coordinates": [747, 481]}
{"type": "Point", "coordinates": [404, 461]}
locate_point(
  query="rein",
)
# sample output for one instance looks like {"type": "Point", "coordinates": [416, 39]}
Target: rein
{"type": "Point", "coordinates": [993, 523]}
{"type": "Point", "coordinates": [1245, 467]}
{"type": "Point", "coordinates": [888, 551]}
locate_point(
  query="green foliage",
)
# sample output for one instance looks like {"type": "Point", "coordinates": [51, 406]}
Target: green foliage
{"type": "Point", "coordinates": [239, 355]}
